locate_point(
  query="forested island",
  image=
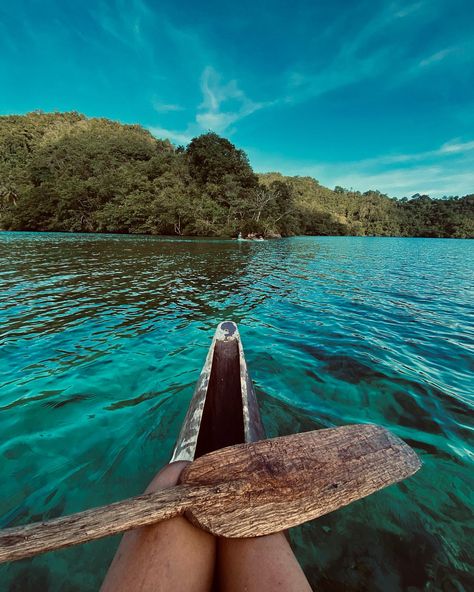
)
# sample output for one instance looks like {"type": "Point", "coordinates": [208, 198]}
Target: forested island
{"type": "Point", "coordinates": [67, 172]}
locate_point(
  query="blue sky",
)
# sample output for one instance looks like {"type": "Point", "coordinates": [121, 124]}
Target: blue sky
{"type": "Point", "coordinates": [365, 94]}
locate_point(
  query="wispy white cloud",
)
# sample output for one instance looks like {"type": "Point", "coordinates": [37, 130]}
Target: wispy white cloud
{"type": "Point", "coordinates": [349, 62]}
{"type": "Point", "coordinates": [451, 147]}
{"type": "Point", "coordinates": [407, 10]}
{"type": "Point", "coordinates": [447, 170]}
{"type": "Point", "coordinates": [456, 146]}
{"type": "Point", "coordinates": [367, 56]}
{"type": "Point", "coordinates": [223, 105]}
{"type": "Point", "coordinates": [436, 181]}
{"type": "Point", "coordinates": [173, 135]}
{"type": "Point", "coordinates": [123, 20]}
{"type": "Point", "coordinates": [166, 107]}
{"type": "Point", "coordinates": [437, 57]}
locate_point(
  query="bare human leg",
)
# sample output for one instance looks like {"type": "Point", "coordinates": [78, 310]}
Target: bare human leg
{"type": "Point", "coordinates": [262, 564]}
{"type": "Point", "coordinates": [170, 556]}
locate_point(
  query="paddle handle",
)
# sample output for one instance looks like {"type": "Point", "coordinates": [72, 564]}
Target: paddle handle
{"type": "Point", "coordinates": [39, 537]}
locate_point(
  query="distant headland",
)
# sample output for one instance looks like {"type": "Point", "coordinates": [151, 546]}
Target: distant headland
{"type": "Point", "coordinates": [67, 172]}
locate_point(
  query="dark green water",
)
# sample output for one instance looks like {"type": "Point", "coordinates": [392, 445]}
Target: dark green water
{"type": "Point", "coordinates": [103, 337]}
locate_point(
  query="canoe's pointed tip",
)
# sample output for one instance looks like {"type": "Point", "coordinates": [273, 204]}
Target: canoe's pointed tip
{"type": "Point", "coordinates": [229, 328]}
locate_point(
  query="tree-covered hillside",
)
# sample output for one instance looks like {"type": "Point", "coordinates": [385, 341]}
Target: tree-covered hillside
{"type": "Point", "coordinates": [65, 172]}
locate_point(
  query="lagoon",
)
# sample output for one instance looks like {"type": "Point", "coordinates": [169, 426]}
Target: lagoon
{"type": "Point", "coordinates": [102, 338]}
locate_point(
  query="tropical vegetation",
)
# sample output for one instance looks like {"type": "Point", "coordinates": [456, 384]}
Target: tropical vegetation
{"type": "Point", "coordinates": [67, 172]}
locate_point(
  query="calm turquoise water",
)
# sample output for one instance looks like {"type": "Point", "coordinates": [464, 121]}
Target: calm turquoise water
{"type": "Point", "coordinates": [103, 337]}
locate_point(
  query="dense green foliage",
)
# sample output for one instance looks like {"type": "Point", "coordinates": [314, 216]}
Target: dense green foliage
{"type": "Point", "coordinates": [66, 172]}
{"type": "Point", "coordinates": [343, 212]}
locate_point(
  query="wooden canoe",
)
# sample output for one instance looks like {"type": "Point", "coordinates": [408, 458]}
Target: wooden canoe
{"type": "Point", "coordinates": [224, 409]}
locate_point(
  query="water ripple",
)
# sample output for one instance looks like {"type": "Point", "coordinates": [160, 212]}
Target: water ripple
{"type": "Point", "coordinates": [102, 339]}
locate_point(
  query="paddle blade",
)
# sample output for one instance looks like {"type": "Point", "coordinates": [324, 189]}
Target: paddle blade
{"type": "Point", "coordinates": [286, 481]}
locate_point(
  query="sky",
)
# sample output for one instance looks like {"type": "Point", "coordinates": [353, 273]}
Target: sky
{"type": "Point", "coordinates": [366, 94]}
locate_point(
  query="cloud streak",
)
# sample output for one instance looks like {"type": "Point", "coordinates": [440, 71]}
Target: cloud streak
{"type": "Point", "coordinates": [175, 136]}
{"type": "Point", "coordinates": [437, 57]}
{"type": "Point", "coordinates": [332, 81]}
{"type": "Point", "coordinates": [223, 104]}
{"type": "Point", "coordinates": [124, 20]}
{"type": "Point", "coordinates": [166, 107]}
{"type": "Point", "coordinates": [452, 147]}
{"type": "Point", "coordinates": [349, 63]}
{"type": "Point", "coordinates": [367, 56]}
{"type": "Point", "coordinates": [446, 170]}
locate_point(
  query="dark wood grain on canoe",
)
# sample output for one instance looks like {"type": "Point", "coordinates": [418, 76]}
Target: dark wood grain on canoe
{"type": "Point", "coordinates": [224, 409]}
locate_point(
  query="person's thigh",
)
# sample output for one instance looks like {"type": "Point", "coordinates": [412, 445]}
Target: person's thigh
{"type": "Point", "coordinates": [170, 556]}
{"type": "Point", "coordinates": [261, 564]}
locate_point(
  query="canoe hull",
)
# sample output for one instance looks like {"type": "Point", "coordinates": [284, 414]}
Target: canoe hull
{"type": "Point", "coordinates": [224, 409]}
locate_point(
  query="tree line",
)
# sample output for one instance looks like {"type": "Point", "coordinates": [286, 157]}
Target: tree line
{"type": "Point", "coordinates": [66, 172]}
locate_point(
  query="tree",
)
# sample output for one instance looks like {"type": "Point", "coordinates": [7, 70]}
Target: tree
{"type": "Point", "coordinates": [212, 158]}
{"type": "Point", "coordinates": [63, 171]}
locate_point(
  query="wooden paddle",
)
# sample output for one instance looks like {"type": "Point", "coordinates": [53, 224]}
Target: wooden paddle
{"type": "Point", "coordinates": [243, 491]}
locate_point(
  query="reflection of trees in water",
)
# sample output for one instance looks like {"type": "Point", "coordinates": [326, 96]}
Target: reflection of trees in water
{"type": "Point", "coordinates": [135, 280]}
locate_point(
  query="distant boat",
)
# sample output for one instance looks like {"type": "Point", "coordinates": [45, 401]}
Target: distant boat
{"type": "Point", "coordinates": [249, 238]}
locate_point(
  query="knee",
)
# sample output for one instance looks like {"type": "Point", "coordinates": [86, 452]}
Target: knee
{"type": "Point", "coordinates": [167, 477]}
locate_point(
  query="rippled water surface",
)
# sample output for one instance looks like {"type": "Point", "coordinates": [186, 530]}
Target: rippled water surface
{"type": "Point", "coordinates": [103, 337]}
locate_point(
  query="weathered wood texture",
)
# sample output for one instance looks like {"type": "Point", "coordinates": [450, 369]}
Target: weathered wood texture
{"type": "Point", "coordinates": [297, 478]}
{"type": "Point", "coordinates": [223, 410]}
{"type": "Point", "coordinates": [222, 422]}
{"type": "Point", "coordinates": [244, 490]}
{"type": "Point", "coordinates": [24, 541]}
